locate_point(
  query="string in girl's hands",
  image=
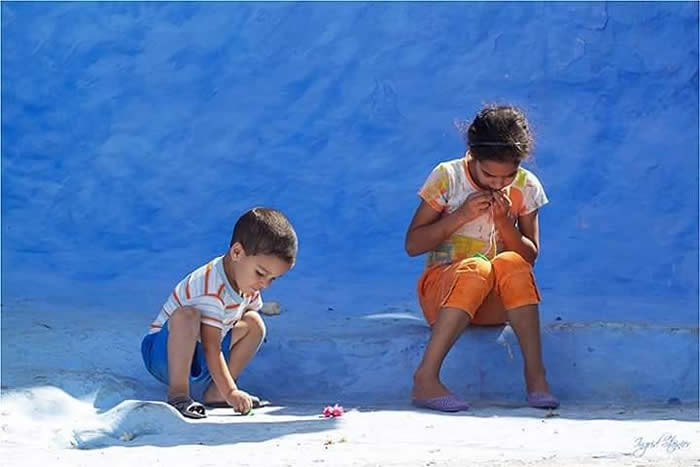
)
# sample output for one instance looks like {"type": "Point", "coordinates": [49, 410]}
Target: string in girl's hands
{"type": "Point", "coordinates": [492, 245]}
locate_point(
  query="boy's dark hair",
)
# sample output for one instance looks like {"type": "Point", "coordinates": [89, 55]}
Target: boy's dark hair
{"type": "Point", "coordinates": [500, 133]}
{"type": "Point", "coordinates": [265, 231]}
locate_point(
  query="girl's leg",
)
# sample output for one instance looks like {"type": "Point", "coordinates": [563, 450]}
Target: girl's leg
{"type": "Point", "coordinates": [449, 296]}
{"type": "Point", "coordinates": [426, 380]}
{"type": "Point", "coordinates": [516, 287]}
{"type": "Point", "coordinates": [526, 323]}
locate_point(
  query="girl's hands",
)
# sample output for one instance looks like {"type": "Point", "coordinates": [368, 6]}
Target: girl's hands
{"type": "Point", "coordinates": [501, 207]}
{"type": "Point", "coordinates": [475, 205]}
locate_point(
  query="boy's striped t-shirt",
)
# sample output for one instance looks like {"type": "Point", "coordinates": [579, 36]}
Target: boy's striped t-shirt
{"type": "Point", "coordinates": [208, 290]}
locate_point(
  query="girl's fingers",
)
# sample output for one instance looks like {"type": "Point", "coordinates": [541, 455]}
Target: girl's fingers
{"type": "Point", "coordinates": [505, 198]}
{"type": "Point", "coordinates": [481, 196]}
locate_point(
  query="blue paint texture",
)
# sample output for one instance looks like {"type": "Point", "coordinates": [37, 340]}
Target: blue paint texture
{"type": "Point", "coordinates": [134, 134]}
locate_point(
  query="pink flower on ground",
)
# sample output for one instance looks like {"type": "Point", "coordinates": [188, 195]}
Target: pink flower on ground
{"type": "Point", "coordinates": [335, 411]}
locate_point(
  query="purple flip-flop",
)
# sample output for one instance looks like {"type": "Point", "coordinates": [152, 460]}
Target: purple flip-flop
{"type": "Point", "coordinates": [542, 400]}
{"type": "Point", "coordinates": [448, 403]}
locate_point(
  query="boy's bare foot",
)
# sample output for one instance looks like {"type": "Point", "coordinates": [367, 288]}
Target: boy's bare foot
{"type": "Point", "coordinates": [213, 398]}
{"type": "Point", "coordinates": [257, 403]}
{"type": "Point", "coordinates": [212, 395]}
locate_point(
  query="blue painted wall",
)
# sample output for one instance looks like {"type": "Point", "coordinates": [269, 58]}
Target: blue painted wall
{"type": "Point", "coordinates": [134, 134]}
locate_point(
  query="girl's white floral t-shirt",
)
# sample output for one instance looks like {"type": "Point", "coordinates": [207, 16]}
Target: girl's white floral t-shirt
{"type": "Point", "coordinates": [446, 189]}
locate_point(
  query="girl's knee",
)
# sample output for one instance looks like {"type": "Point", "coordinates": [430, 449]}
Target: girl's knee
{"type": "Point", "coordinates": [516, 282]}
{"type": "Point", "coordinates": [478, 266]}
{"type": "Point", "coordinates": [473, 280]}
{"type": "Point", "coordinates": [509, 262]}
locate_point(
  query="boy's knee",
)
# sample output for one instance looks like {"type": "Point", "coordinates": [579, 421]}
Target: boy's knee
{"type": "Point", "coordinates": [255, 323]}
{"type": "Point", "coordinates": [509, 262]}
{"type": "Point", "coordinates": [185, 316]}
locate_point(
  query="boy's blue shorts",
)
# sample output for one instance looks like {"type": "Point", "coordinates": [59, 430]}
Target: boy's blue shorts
{"type": "Point", "coordinates": [154, 350]}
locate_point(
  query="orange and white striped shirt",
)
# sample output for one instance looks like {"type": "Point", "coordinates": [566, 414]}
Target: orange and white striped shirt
{"type": "Point", "coordinates": [208, 290]}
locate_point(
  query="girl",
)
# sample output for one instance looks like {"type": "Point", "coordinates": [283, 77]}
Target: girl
{"type": "Point", "coordinates": [477, 220]}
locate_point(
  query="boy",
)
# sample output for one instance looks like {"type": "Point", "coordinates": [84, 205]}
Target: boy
{"type": "Point", "coordinates": [210, 328]}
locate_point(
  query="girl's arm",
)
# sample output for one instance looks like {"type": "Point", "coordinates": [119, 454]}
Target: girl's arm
{"type": "Point", "coordinates": [428, 229]}
{"type": "Point", "coordinates": [523, 239]}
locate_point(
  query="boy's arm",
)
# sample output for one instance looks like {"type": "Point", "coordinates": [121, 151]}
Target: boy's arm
{"type": "Point", "coordinates": [211, 342]}
{"type": "Point", "coordinates": [428, 229]}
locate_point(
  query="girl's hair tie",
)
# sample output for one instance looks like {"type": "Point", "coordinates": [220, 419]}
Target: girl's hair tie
{"type": "Point", "coordinates": [494, 144]}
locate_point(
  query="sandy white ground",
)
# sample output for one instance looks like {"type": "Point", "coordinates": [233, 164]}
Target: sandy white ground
{"type": "Point", "coordinates": [45, 426]}
{"type": "Point", "coordinates": [74, 393]}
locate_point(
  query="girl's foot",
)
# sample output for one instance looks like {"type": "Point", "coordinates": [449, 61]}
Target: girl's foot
{"type": "Point", "coordinates": [449, 403]}
{"type": "Point", "coordinates": [536, 382]}
{"type": "Point", "coordinates": [542, 400]}
{"type": "Point", "coordinates": [427, 387]}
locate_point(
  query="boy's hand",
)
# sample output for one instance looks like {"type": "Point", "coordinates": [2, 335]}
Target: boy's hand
{"type": "Point", "coordinates": [240, 401]}
{"type": "Point", "coordinates": [475, 205]}
{"type": "Point", "coordinates": [501, 207]}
